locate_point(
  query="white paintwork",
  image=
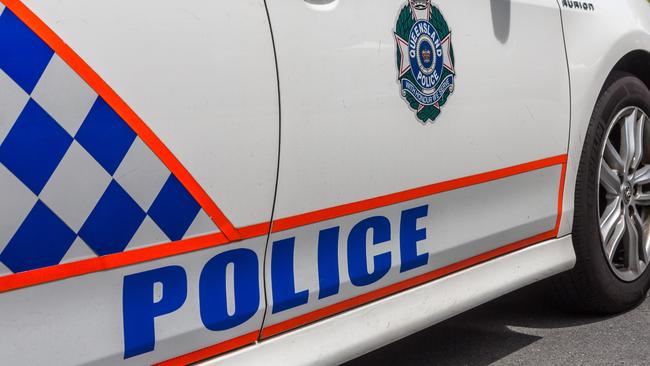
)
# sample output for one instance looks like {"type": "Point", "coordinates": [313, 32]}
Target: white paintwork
{"type": "Point", "coordinates": [595, 42]}
{"type": "Point", "coordinates": [351, 334]}
{"type": "Point", "coordinates": [346, 133]}
{"type": "Point", "coordinates": [184, 67]}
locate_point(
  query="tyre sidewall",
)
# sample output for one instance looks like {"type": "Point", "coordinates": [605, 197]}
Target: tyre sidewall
{"type": "Point", "coordinates": [615, 295]}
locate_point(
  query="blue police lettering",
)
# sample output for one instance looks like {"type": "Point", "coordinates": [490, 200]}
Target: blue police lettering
{"type": "Point", "coordinates": [328, 262]}
{"type": "Point", "coordinates": [409, 236]}
{"type": "Point", "coordinates": [212, 289]}
{"type": "Point", "coordinates": [357, 267]}
{"type": "Point", "coordinates": [282, 277]}
{"type": "Point", "coordinates": [283, 292]}
{"type": "Point", "coordinates": [140, 310]}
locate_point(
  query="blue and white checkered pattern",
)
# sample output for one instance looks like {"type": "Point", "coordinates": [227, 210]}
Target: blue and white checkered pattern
{"type": "Point", "coordinates": [76, 181]}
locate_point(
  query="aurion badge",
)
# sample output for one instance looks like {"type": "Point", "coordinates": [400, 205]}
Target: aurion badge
{"type": "Point", "coordinates": [425, 58]}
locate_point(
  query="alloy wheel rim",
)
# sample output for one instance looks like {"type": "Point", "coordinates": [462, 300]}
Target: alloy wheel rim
{"type": "Point", "coordinates": [624, 194]}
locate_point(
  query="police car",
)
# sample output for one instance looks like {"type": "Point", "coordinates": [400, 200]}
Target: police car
{"type": "Point", "coordinates": [300, 182]}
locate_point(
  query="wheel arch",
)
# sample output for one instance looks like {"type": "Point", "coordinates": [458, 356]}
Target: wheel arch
{"type": "Point", "coordinates": [635, 62]}
{"type": "Point", "coordinates": [624, 46]}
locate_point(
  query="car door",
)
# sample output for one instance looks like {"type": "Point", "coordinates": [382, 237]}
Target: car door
{"type": "Point", "coordinates": [138, 145]}
{"type": "Point", "coordinates": [417, 138]}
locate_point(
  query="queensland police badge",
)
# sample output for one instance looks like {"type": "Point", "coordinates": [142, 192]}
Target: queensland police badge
{"type": "Point", "coordinates": [425, 58]}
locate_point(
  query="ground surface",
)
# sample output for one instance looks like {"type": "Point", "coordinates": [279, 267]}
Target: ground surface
{"type": "Point", "coordinates": [524, 328]}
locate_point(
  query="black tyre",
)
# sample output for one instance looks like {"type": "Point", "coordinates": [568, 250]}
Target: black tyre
{"type": "Point", "coordinates": [612, 209]}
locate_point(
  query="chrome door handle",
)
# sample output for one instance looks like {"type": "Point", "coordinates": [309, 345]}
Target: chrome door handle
{"type": "Point", "coordinates": [322, 5]}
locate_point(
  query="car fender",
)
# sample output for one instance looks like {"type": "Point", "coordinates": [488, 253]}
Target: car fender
{"type": "Point", "coordinates": [615, 28]}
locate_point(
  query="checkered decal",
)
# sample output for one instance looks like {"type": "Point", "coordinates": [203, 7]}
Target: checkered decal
{"type": "Point", "coordinates": [76, 181]}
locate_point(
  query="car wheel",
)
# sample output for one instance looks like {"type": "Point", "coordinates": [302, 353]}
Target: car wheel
{"type": "Point", "coordinates": [611, 229]}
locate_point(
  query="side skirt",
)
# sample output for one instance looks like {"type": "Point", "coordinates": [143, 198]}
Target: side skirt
{"type": "Point", "coordinates": [351, 334]}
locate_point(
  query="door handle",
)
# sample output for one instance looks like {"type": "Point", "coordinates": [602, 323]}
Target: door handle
{"type": "Point", "coordinates": [321, 5]}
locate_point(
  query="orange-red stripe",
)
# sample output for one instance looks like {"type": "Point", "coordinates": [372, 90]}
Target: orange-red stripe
{"type": "Point", "coordinates": [560, 199]}
{"type": "Point", "coordinates": [211, 351]}
{"type": "Point", "coordinates": [85, 266]}
{"type": "Point", "coordinates": [255, 230]}
{"type": "Point", "coordinates": [123, 110]}
{"type": "Point", "coordinates": [411, 194]}
{"type": "Point", "coordinates": [400, 286]}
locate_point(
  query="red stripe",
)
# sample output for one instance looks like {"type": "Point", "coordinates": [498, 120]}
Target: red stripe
{"type": "Point", "coordinates": [255, 230]}
{"type": "Point", "coordinates": [400, 286]}
{"type": "Point", "coordinates": [560, 198]}
{"type": "Point", "coordinates": [85, 266]}
{"type": "Point", "coordinates": [211, 351]}
{"type": "Point", "coordinates": [123, 110]}
{"type": "Point", "coordinates": [411, 194]}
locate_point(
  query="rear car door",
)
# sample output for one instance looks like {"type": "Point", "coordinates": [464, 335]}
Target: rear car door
{"type": "Point", "coordinates": [418, 138]}
{"type": "Point", "coordinates": [138, 144]}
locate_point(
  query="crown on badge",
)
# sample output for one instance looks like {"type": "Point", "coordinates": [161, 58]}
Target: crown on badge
{"type": "Point", "coordinates": [419, 4]}
{"type": "Point", "coordinates": [426, 55]}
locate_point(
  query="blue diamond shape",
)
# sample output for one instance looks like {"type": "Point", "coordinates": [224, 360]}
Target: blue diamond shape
{"type": "Point", "coordinates": [105, 135]}
{"type": "Point", "coordinates": [34, 147]}
{"type": "Point", "coordinates": [24, 55]}
{"type": "Point", "coordinates": [41, 240]}
{"type": "Point", "coordinates": [174, 209]}
{"type": "Point", "coordinates": [113, 222]}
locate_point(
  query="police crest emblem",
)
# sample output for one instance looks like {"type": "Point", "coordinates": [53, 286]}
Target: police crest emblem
{"type": "Point", "coordinates": [425, 58]}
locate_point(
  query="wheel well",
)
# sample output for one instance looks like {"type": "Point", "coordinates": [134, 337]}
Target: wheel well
{"type": "Point", "coordinates": [636, 63]}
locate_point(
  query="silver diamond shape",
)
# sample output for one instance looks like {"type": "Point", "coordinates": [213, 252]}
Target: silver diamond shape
{"type": "Point", "coordinates": [141, 174]}
{"type": "Point", "coordinates": [4, 269]}
{"type": "Point", "coordinates": [201, 225]}
{"type": "Point", "coordinates": [75, 187]}
{"type": "Point", "coordinates": [64, 95]}
{"type": "Point", "coordinates": [78, 250]}
{"type": "Point", "coordinates": [17, 202]}
{"type": "Point", "coordinates": [12, 101]}
{"type": "Point", "coordinates": [148, 234]}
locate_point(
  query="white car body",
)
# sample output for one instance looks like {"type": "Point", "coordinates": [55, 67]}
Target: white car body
{"type": "Point", "coordinates": [326, 220]}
